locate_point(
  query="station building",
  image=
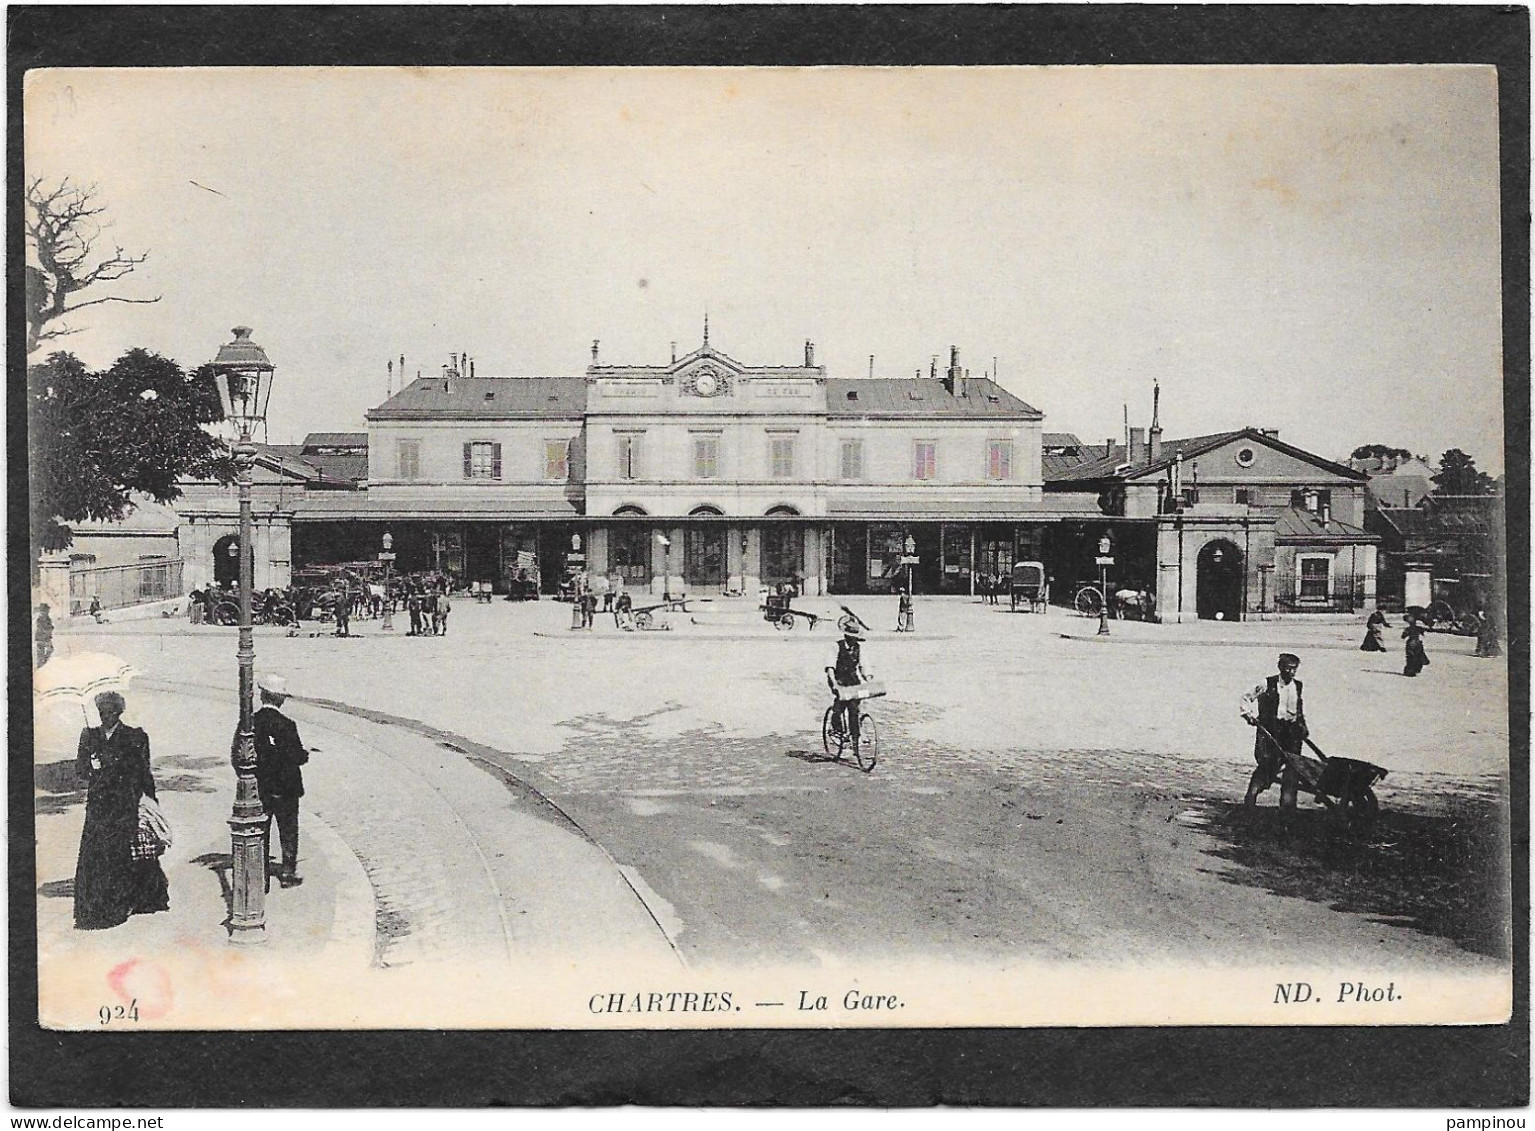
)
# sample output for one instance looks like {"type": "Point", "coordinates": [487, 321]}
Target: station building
{"type": "Point", "coordinates": [705, 475]}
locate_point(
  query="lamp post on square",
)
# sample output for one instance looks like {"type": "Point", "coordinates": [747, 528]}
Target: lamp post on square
{"type": "Point", "coordinates": [1105, 550]}
{"type": "Point", "coordinates": [387, 557]}
{"type": "Point", "coordinates": [243, 375]}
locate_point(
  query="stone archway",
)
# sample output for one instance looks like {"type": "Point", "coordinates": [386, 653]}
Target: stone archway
{"type": "Point", "coordinates": [226, 560]}
{"type": "Point", "coordinates": [1219, 580]}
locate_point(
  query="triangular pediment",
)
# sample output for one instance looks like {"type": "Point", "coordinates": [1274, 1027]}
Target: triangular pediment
{"type": "Point", "coordinates": [706, 356]}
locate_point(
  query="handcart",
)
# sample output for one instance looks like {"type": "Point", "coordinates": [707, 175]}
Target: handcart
{"type": "Point", "coordinates": [1344, 785]}
{"type": "Point", "coordinates": [644, 616]}
{"type": "Point", "coordinates": [776, 610]}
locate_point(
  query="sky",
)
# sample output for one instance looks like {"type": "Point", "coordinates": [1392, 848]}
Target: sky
{"type": "Point", "coordinates": [1313, 249]}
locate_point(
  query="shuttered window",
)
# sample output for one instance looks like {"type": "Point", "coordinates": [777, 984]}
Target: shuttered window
{"type": "Point", "coordinates": [999, 459]}
{"type": "Point", "coordinates": [557, 459]}
{"type": "Point", "coordinates": [852, 459]}
{"type": "Point", "coordinates": [482, 460]}
{"type": "Point", "coordinates": [924, 459]}
{"type": "Point", "coordinates": [409, 452]}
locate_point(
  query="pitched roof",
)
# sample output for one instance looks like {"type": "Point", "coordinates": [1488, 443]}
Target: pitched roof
{"type": "Point", "coordinates": [1111, 466]}
{"type": "Point", "coordinates": [1104, 466]}
{"type": "Point", "coordinates": [1299, 524]}
{"type": "Point", "coordinates": [1399, 490]}
{"type": "Point", "coordinates": [922, 397]}
{"type": "Point", "coordinates": [485, 398]}
{"type": "Point", "coordinates": [335, 440]}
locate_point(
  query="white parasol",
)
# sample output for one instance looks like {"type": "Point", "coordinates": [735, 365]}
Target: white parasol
{"type": "Point", "coordinates": [80, 677]}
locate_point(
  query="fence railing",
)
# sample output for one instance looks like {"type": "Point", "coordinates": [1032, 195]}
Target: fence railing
{"type": "Point", "coordinates": [1342, 593]}
{"type": "Point", "coordinates": [120, 587]}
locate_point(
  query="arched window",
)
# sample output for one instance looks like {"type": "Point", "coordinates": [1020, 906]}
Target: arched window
{"type": "Point", "coordinates": [783, 509]}
{"type": "Point", "coordinates": [630, 508]}
{"type": "Point", "coordinates": [706, 510]}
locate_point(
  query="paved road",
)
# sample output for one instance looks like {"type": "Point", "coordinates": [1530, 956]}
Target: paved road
{"type": "Point", "coordinates": [1033, 799]}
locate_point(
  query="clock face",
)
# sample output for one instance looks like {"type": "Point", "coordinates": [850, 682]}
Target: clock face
{"type": "Point", "coordinates": [706, 383]}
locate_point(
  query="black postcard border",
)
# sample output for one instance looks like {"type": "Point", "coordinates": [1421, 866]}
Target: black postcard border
{"type": "Point", "coordinates": [1446, 1067]}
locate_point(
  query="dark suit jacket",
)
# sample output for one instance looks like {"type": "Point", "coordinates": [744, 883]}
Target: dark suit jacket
{"type": "Point", "coordinates": [279, 754]}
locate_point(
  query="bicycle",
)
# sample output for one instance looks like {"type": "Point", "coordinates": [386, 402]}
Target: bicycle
{"type": "Point", "coordinates": [1089, 599]}
{"type": "Point", "coordinates": [835, 740]}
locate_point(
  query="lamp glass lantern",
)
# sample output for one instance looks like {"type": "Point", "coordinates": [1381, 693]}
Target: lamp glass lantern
{"type": "Point", "coordinates": [243, 374]}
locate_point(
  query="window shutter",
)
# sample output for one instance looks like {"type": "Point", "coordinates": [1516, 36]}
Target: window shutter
{"type": "Point", "coordinates": [468, 457]}
{"type": "Point", "coordinates": [495, 461]}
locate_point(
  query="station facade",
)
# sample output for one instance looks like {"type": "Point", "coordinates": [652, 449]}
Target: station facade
{"type": "Point", "coordinates": [702, 475]}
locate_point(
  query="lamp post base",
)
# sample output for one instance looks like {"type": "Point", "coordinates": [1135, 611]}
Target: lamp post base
{"type": "Point", "coordinates": [248, 850]}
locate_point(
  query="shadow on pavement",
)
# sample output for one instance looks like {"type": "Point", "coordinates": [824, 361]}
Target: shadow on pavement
{"type": "Point", "coordinates": [60, 785]}
{"type": "Point", "coordinates": [1442, 874]}
{"type": "Point", "coordinates": [221, 864]}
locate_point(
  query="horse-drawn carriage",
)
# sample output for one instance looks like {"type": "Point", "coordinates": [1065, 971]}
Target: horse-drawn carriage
{"type": "Point", "coordinates": [1030, 587]}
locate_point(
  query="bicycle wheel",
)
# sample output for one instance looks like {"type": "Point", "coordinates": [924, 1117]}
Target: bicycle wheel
{"type": "Point", "coordinates": [867, 750]}
{"type": "Point", "coordinates": [1089, 602]}
{"type": "Point", "coordinates": [642, 620]}
{"type": "Point", "coordinates": [784, 623]}
{"type": "Point", "coordinates": [1441, 614]}
{"type": "Point", "coordinates": [831, 738]}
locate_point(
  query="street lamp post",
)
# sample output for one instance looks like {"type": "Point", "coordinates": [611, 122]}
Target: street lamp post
{"type": "Point", "coordinates": [244, 378]}
{"type": "Point", "coordinates": [387, 557]}
{"type": "Point", "coordinates": [666, 566]}
{"type": "Point", "coordinates": [1105, 548]}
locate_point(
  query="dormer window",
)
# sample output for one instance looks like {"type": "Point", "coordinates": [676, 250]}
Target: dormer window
{"type": "Point", "coordinates": [852, 394]}
{"type": "Point", "coordinates": [913, 394]}
{"type": "Point", "coordinates": [490, 396]}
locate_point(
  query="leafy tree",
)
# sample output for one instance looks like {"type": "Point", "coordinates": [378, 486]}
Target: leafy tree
{"type": "Point", "coordinates": [97, 438]}
{"type": "Point", "coordinates": [1458, 475]}
{"type": "Point", "coordinates": [63, 227]}
{"type": "Point", "coordinates": [1380, 451]}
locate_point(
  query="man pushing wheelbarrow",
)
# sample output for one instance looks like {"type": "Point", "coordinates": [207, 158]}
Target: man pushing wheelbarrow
{"type": "Point", "coordinates": [1277, 708]}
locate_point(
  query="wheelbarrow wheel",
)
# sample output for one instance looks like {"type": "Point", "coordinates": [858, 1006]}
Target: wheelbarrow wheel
{"type": "Point", "coordinates": [784, 623]}
{"type": "Point", "coordinates": [1362, 807]}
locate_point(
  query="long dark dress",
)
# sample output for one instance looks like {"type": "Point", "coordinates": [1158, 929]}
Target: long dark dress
{"type": "Point", "coordinates": [1417, 657]}
{"type": "Point", "coordinates": [109, 884]}
{"type": "Point", "coordinates": [1374, 633]}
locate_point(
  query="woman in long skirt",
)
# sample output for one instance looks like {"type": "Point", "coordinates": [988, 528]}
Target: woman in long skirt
{"type": "Point", "coordinates": [1417, 658]}
{"type": "Point", "coordinates": [1375, 633]}
{"type": "Point", "coordinates": [111, 881]}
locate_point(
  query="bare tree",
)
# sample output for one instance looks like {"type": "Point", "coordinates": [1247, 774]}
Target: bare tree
{"type": "Point", "coordinates": [63, 229]}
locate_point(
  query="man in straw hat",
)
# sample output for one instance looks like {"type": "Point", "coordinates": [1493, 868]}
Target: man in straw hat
{"type": "Point", "coordinates": [1277, 708]}
{"type": "Point", "coordinates": [849, 672]}
{"type": "Point", "coordinates": [279, 754]}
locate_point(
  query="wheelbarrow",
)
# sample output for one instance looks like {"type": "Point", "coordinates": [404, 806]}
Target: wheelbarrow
{"type": "Point", "coordinates": [1344, 785]}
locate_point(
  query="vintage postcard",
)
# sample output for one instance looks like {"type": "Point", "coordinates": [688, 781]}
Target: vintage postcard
{"type": "Point", "coordinates": [656, 548]}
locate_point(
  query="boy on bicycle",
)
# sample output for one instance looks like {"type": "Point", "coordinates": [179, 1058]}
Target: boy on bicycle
{"type": "Point", "coordinates": [848, 672]}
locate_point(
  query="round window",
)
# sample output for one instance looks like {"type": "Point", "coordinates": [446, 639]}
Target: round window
{"type": "Point", "coordinates": [1246, 456]}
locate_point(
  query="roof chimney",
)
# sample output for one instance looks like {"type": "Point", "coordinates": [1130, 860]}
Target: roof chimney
{"type": "Point", "coordinates": [595, 343]}
{"type": "Point", "coordinates": [1137, 454]}
{"type": "Point", "coordinates": [955, 380]}
{"type": "Point", "coordinates": [932, 368]}
{"type": "Point", "coordinates": [1108, 448]}
{"type": "Point", "coordinates": [471, 368]}
{"type": "Point", "coordinates": [1156, 422]}
{"type": "Point", "coordinates": [674, 353]}
{"type": "Point", "coordinates": [871, 365]}
{"type": "Point", "coordinates": [809, 354]}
